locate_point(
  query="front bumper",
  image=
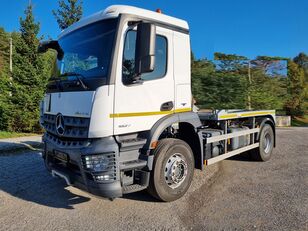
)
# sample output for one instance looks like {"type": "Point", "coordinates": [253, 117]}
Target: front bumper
{"type": "Point", "coordinates": [73, 168]}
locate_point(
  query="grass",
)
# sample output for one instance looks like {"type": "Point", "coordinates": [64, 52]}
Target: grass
{"type": "Point", "coordinates": [300, 121]}
{"type": "Point", "coordinates": [6, 135]}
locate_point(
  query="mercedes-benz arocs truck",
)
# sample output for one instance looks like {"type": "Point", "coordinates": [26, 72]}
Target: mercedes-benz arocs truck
{"type": "Point", "coordinates": [118, 109]}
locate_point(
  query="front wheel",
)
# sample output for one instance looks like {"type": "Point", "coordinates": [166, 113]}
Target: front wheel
{"type": "Point", "coordinates": [266, 141]}
{"type": "Point", "coordinates": [173, 170]}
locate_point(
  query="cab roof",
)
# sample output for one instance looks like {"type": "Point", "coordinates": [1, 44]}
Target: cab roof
{"type": "Point", "coordinates": [116, 10]}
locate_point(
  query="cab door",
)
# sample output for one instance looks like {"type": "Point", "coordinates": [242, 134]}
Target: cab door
{"type": "Point", "coordinates": [139, 106]}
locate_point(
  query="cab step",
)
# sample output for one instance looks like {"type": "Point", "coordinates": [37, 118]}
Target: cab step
{"type": "Point", "coordinates": [137, 164]}
{"type": "Point", "coordinates": [132, 144]}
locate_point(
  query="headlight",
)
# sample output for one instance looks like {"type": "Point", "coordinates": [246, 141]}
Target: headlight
{"type": "Point", "coordinates": [96, 163]}
{"type": "Point", "coordinates": [102, 167]}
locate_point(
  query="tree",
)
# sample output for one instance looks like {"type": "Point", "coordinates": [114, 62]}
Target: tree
{"type": "Point", "coordinates": [302, 60]}
{"type": "Point", "coordinates": [269, 82]}
{"type": "Point", "coordinates": [69, 12]}
{"type": "Point", "coordinates": [271, 65]}
{"type": "Point", "coordinates": [224, 83]}
{"type": "Point", "coordinates": [4, 49]}
{"type": "Point", "coordinates": [217, 89]}
{"type": "Point", "coordinates": [294, 104]}
{"type": "Point", "coordinates": [236, 64]}
{"type": "Point", "coordinates": [30, 76]}
{"type": "Point", "coordinates": [201, 72]}
{"type": "Point", "coordinates": [29, 29]}
{"type": "Point", "coordinates": [267, 91]}
{"type": "Point", "coordinates": [222, 56]}
{"type": "Point", "coordinates": [4, 80]}
{"type": "Point", "coordinates": [271, 58]}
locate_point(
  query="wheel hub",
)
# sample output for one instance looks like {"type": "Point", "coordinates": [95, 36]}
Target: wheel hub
{"type": "Point", "coordinates": [175, 170]}
{"type": "Point", "coordinates": [267, 143]}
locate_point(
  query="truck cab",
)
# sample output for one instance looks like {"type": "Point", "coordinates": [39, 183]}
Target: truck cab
{"type": "Point", "coordinates": [118, 109]}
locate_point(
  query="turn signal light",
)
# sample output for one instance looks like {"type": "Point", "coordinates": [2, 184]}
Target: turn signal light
{"type": "Point", "coordinates": [154, 144]}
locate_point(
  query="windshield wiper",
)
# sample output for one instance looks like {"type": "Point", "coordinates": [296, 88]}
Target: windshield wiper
{"type": "Point", "coordinates": [78, 76]}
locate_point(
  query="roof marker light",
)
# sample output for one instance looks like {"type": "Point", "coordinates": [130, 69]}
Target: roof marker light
{"type": "Point", "coordinates": [159, 11]}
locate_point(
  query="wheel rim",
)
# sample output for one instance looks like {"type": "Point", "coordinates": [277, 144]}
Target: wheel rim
{"type": "Point", "coordinates": [267, 143]}
{"type": "Point", "coordinates": [175, 170]}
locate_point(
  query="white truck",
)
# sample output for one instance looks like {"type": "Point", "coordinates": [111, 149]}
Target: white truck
{"type": "Point", "coordinates": [118, 110]}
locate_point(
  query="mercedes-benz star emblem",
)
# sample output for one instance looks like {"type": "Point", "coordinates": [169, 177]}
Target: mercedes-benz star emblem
{"type": "Point", "coordinates": [60, 124]}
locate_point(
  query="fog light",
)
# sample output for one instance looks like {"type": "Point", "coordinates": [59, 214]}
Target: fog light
{"type": "Point", "coordinates": [102, 178]}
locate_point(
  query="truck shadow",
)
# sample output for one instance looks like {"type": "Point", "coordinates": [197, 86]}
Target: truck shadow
{"type": "Point", "coordinates": [242, 157]}
{"type": "Point", "coordinates": [141, 196]}
{"type": "Point", "coordinates": [25, 177]}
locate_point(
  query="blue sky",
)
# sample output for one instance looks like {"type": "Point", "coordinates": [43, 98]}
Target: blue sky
{"type": "Point", "coordinates": [249, 28]}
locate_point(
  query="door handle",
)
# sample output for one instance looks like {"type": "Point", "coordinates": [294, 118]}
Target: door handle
{"type": "Point", "coordinates": [167, 106]}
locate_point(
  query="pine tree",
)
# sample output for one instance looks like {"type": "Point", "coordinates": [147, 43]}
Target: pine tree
{"type": "Point", "coordinates": [4, 49]}
{"type": "Point", "coordinates": [29, 29]}
{"type": "Point", "coordinates": [69, 12]}
{"type": "Point", "coordinates": [30, 76]}
{"type": "Point", "coordinates": [4, 79]}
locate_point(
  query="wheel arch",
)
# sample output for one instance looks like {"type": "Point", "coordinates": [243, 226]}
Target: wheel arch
{"type": "Point", "coordinates": [188, 128]}
{"type": "Point", "coordinates": [189, 134]}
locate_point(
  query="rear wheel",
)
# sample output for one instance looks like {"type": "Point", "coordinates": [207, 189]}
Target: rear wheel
{"type": "Point", "coordinates": [265, 149]}
{"type": "Point", "coordinates": [172, 171]}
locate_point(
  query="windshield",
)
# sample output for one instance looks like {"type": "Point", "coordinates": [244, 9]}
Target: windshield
{"type": "Point", "coordinates": [87, 51]}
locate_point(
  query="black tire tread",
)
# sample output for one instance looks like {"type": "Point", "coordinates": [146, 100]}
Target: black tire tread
{"type": "Point", "coordinates": [163, 144]}
{"type": "Point", "coordinates": [256, 153]}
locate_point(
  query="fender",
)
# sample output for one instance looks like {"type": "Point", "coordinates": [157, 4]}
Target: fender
{"type": "Point", "coordinates": [157, 129]}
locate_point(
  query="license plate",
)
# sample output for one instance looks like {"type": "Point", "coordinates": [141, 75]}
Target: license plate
{"type": "Point", "coordinates": [61, 156]}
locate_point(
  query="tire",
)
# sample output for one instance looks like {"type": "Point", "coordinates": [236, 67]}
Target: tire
{"type": "Point", "coordinates": [264, 151]}
{"type": "Point", "coordinates": [173, 170]}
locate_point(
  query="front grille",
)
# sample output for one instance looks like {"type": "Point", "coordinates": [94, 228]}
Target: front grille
{"type": "Point", "coordinates": [74, 127]}
{"type": "Point", "coordinates": [66, 143]}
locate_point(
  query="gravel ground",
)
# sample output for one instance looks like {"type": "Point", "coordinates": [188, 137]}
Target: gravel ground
{"type": "Point", "coordinates": [236, 194]}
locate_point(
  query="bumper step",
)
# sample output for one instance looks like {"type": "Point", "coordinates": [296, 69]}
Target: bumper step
{"type": "Point", "coordinates": [133, 188]}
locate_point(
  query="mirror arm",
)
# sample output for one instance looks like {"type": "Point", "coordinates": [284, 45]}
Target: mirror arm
{"type": "Point", "coordinates": [134, 23]}
{"type": "Point", "coordinates": [52, 44]}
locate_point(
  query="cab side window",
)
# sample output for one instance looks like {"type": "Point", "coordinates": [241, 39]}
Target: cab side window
{"type": "Point", "coordinates": [128, 67]}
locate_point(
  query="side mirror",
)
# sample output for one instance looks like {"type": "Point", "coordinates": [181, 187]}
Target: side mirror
{"type": "Point", "coordinates": [51, 44]}
{"type": "Point", "coordinates": [42, 48]}
{"type": "Point", "coordinates": [145, 49]}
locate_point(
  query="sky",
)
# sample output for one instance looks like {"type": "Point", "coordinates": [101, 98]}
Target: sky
{"type": "Point", "coordinates": [248, 28]}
